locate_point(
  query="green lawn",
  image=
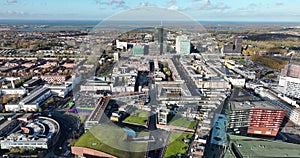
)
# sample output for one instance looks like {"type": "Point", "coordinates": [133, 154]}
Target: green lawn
{"type": "Point", "coordinates": [177, 145]}
{"type": "Point", "coordinates": [183, 122]}
{"type": "Point", "coordinates": [138, 117]}
{"type": "Point", "coordinates": [112, 140]}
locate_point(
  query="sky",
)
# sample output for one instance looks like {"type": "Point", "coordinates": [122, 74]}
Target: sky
{"type": "Point", "coordinates": [202, 10]}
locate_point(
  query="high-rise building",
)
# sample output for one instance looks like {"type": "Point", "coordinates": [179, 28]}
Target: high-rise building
{"type": "Point", "coordinates": [218, 140]}
{"type": "Point", "coordinates": [290, 80]}
{"type": "Point", "coordinates": [291, 70]}
{"type": "Point", "coordinates": [160, 39]}
{"type": "Point", "coordinates": [233, 49]}
{"type": "Point", "coordinates": [139, 50]}
{"type": "Point", "coordinates": [183, 45]}
{"type": "Point", "coordinates": [255, 117]}
{"type": "Point", "coordinates": [291, 86]}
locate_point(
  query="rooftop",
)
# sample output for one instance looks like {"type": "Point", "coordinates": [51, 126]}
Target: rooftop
{"type": "Point", "coordinates": [254, 147]}
{"type": "Point", "coordinates": [250, 105]}
{"type": "Point", "coordinates": [35, 95]}
{"type": "Point", "coordinates": [219, 130]}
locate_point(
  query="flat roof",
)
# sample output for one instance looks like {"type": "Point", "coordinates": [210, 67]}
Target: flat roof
{"type": "Point", "coordinates": [251, 105]}
{"type": "Point", "coordinates": [255, 147]}
{"type": "Point", "coordinates": [35, 95]}
{"type": "Point", "coordinates": [218, 135]}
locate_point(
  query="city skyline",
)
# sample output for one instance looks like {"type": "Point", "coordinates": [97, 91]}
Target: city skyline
{"type": "Point", "coordinates": [206, 10]}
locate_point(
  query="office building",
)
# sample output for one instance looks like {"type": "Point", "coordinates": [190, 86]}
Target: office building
{"type": "Point", "coordinates": [31, 102]}
{"type": "Point", "coordinates": [233, 49]}
{"type": "Point", "coordinates": [183, 45]}
{"type": "Point", "coordinates": [121, 45]}
{"type": "Point", "coordinates": [218, 140]}
{"type": "Point", "coordinates": [242, 147]}
{"type": "Point", "coordinates": [293, 112]}
{"type": "Point", "coordinates": [255, 117]}
{"type": "Point", "coordinates": [40, 133]}
{"type": "Point", "coordinates": [291, 86]}
{"type": "Point", "coordinates": [291, 70]}
{"type": "Point", "coordinates": [139, 50]}
{"type": "Point", "coordinates": [160, 39]}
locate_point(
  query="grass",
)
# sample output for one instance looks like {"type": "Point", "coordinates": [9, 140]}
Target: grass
{"type": "Point", "coordinates": [183, 122]}
{"type": "Point", "coordinates": [177, 145]}
{"type": "Point", "coordinates": [138, 117]}
{"type": "Point", "coordinates": [112, 140]}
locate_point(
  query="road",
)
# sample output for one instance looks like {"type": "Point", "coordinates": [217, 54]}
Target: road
{"type": "Point", "coordinates": [185, 76]}
{"type": "Point", "coordinates": [68, 125]}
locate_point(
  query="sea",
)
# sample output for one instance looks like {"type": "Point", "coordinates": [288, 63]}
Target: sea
{"type": "Point", "coordinates": [65, 25]}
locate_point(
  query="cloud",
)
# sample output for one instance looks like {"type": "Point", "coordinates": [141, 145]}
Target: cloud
{"type": "Point", "coordinates": [252, 5]}
{"type": "Point", "coordinates": [110, 2]}
{"type": "Point", "coordinates": [11, 1]}
{"type": "Point", "coordinates": [171, 2]}
{"type": "Point", "coordinates": [208, 5]}
{"type": "Point", "coordinates": [12, 12]}
{"type": "Point", "coordinates": [279, 3]}
{"type": "Point", "coordinates": [144, 4]}
{"type": "Point", "coordinates": [115, 2]}
{"type": "Point", "coordinates": [173, 7]}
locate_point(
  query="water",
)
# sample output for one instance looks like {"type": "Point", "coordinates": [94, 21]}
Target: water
{"type": "Point", "coordinates": [88, 25]}
{"type": "Point", "coordinates": [95, 22]}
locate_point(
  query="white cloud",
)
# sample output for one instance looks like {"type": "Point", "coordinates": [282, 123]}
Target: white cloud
{"type": "Point", "coordinates": [11, 1]}
{"type": "Point", "coordinates": [11, 12]}
{"type": "Point", "coordinates": [144, 4]}
{"type": "Point", "coordinates": [208, 5]}
{"type": "Point", "coordinates": [171, 2]}
{"type": "Point", "coordinates": [279, 4]}
{"type": "Point", "coordinates": [173, 7]}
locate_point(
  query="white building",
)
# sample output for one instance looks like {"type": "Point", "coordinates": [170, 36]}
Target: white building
{"type": "Point", "coordinates": [239, 82]}
{"type": "Point", "coordinates": [293, 112]}
{"type": "Point", "coordinates": [19, 91]}
{"type": "Point", "coordinates": [162, 114]}
{"type": "Point", "coordinates": [93, 84]}
{"type": "Point", "coordinates": [116, 56]}
{"type": "Point", "coordinates": [32, 101]}
{"type": "Point", "coordinates": [291, 86]}
{"type": "Point", "coordinates": [61, 90]}
{"type": "Point", "coordinates": [121, 45]}
{"type": "Point", "coordinates": [183, 45]}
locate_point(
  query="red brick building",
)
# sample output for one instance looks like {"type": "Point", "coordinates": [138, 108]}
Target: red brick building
{"type": "Point", "coordinates": [265, 121]}
{"type": "Point", "coordinates": [257, 117]}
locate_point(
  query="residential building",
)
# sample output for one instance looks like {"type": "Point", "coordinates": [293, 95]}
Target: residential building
{"type": "Point", "coordinates": [162, 114]}
{"type": "Point", "coordinates": [257, 117]}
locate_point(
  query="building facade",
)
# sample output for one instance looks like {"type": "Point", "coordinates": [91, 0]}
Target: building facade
{"type": "Point", "coordinates": [258, 117]}
{"type": "Point", "coordinates": [183, 45]}
{"type": "Point", "coordinates": [291, 86]}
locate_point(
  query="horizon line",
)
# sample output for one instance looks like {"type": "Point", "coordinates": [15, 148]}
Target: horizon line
{"type": "Point", "coordinates": [151, 20]}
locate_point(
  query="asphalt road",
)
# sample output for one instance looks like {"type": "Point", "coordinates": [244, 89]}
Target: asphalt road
{"type": "Point", "coordinates": [185, 76]}
{"type": "Point", "coordinates": [68, 124]}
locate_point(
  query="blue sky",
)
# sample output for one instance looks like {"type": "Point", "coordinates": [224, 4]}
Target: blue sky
{"type": "Point", "coordinates": [206, 10]}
